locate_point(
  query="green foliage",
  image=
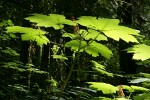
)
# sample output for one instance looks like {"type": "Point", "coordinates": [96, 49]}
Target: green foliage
{"type": "Point", "coordinates": [86, 40]}
{"type": "Point", "coordinates": [30, 34]}
{"type": "Point", "coordinates": [141, 52]}
{"type": "Point", "coordinates": [61, 57]}
{"type": "Point", "coordinates": [95, 48]}
{"type": "Point", "coordinates": [10, 51]}
{"type": "Point", "coordinates": [133, 88]}
{"type": "Point", "coordinates": [104, 87]}
{"type": "Point", "coordinates": [6, 23]}
{"type": "Point", "coordinates": [100, 68]}
{"type": "Point", "coordinates": [76, 45]}
{"type": "Point", "coordinates": [139, 80]}
{"type": "Point", "coordinates": [147, 75]}
{"type": "Point", "coordinates": [144, 96]}
{"type": "Point", "coordinates": [93, 34]}
{"type": "Point", "coordinates": [52, 20]}
{"type": "Point", "coordinates": [110, 28]}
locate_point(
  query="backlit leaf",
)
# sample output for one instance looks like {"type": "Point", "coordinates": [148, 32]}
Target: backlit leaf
{"type": "Point", "coordinates": [93, 34]}
{"type": "Point", "coordinates": [104, 87]}
{"type": "Point", "coordinates": [52, 20]}
{"type": "Point", "coordinates": [29, 34]}
{"type": "Point", "coordinates": [60, 57]}
{"type": "Point", "coordinates": [76, 45]}
{"type": "Point", "coordinates": [96, 48]}
{"type": "Point", "coordinates": [109, 27]}
{"type": "Point", "coordinates": [141, 52]}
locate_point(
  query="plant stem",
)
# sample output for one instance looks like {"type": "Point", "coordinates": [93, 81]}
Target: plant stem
{"type": "Point", "coordinates": [69, 75]}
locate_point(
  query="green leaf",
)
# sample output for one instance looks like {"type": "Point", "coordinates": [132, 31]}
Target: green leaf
{"type": "Point", "coordinates": [76, 45]}
{"type": "Point", "coordinates": [121, 99]}
{"type": "Point", "coordinates": [133, 88]}
{"type": "Point", "coordinates": [95, 48]}
{"type": "Point", "coordinates": [138, 88]}
{"type": "Point", "coordinates": [121, 32]}
{"type": "Point", "coordinates": [126, 87]}
{"type": "Point", "coordinates": [52, 20]}
{"type": "Point", "coordinates": [141, 51]}
{"type": "Point", "coordinates": [144, 96]}
{"type": "Point", "coordinates": [60, 57]}
{"type": "Point", "coordinates": [100, 98]}
{"type": "Point", "coordinates": [70, 35]}
{"type": "Point", "coordinates": [100, 68]}
{"type": "Point", "coordinates": [93, 34]}
{"type": "Point", "coordinates": [100, 24]}
{"type": "Point", "coordinates": [10, 51]}
{"type": "Point", "coordinates": [110, 28]}
{"type": "Point", "coordinates": [139, 80]}
{"type": "Point", "coordinates": [147, 75]}
{"type": "Point", "coordinates": [104, 87]}
{"type": "Point", "coordinates": [29, 34]}
{"type": "Point", "coordinates": [98, 65]}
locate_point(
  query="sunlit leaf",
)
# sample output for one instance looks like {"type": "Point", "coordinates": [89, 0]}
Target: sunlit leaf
{"type": "Point", "coordinates": [29, 34]}
{"type": "Point", "coordinates": [100, 98]}
{"type": "Point", "coordinates": [60, 57]}
{"type": "Point", "coordinates": [96, 48]}
{"type": "Point", "coordinates": [104, 87]}
{"type": "Point", "coordinates": [70, 35]}
{"type": "Point", "coordinates": [52, 20]}
{"type": "Point", "coordinates": [126, 87]}
{"type": "Point", "coordinates": [93, 34]}
{"type": "Point", "coordinates": [76, 45]}
{"type": "Point", "coordinates": [138, 88]}
{"type": "Point", "coordinates": [141, 51]}
{"type": "Point", "coordinates": [109, 27]}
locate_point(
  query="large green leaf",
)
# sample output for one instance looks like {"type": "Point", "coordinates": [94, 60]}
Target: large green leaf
{"type": "Point", "coordinates": [95, 48]}
{"type": "Point", "coordinates": [133, 88]}
{"type": "Point", "coordinates": [138, 88]}
{"type": "Point", "coordinates": [104, 87]}
{"type": "Point", "coordinates": [29, 34]}
{"type": "Point", "coordinates": [110, 28]}
{"type": "Point", "coordinates": [52, 20]}
{"type": "Point", "coordinates": [126, 87]}
{"type": "Point", "coordinates": [141, 51]}
{"type": "Point", "coordinates": [94, 23]}
{"type": "Point", "coordinates": [76, 45]}
{"type": "Point", "coordinates": [92, 34]}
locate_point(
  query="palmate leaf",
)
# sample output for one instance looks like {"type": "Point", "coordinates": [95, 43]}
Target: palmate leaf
{"type": "Point", "coordinates": [133, 88]}
{"type": "Point", "coordinates": [138, 88]}
{"type": "Point", "coordinates": [76, 45]}
{"type": "Point", "coordinates": [29, 34]}
{"type": "Point", "coordinates": [92, 34]}
{"type": "Point", "coordinates": [95, 48]}
{"type": "Point", "coordinates": [141, 51]}
{"type": "Point", "coordinates": [52, 20]}
{"type": "Point", "coordinates": [104, 87]}
{"type": "Point", "coordinates": [109, 27]}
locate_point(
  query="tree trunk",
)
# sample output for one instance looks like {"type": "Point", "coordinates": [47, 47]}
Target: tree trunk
{"type": "Point", "coordinates": [127, 65]}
